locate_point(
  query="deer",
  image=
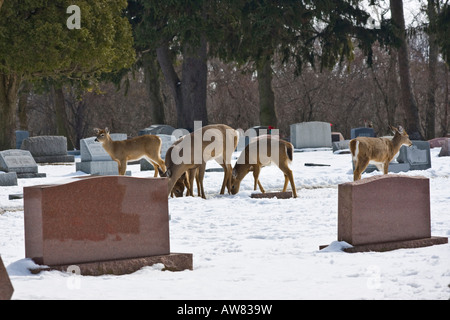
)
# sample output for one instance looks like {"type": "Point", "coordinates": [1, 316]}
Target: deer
{"type": "Point", "coordinates": [194, 150]}
{"type": "Point", "coordinates": [279, 152]}
{"type": "Point", "coordinates": [377, 151]}
{"type": "Point", "coordinates": [146, 146]}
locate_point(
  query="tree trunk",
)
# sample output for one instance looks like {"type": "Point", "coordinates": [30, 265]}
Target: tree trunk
{"type": "Point", "coordinates": [9, 88]}
{"type": "Point", "coordinates": [62, 121]}
{"type": "Point", "coordinates": [193, 85]}
{"type": "Point", "coordinates": [430, 124]}
{"type": "Point", "coordinates": [408, 101]}
{"type": "Point", "coordinates": [23, 106]}
{"type": "Point", "coordinates": [165, 59]}
{"type": "Point", "coordinates": [190, 92]}
{"type": "Point", "coordinates": [152, 81]}
{"type": "Point", "coordinates": [267, 115]}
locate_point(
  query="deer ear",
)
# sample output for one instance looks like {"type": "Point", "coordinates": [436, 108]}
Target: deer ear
{"type": "Point", "coordinates": [107, 130]}
{"type": "Point", "coordinates": [169, 173]}
{"type": "Point", "coordinates": [400, 129]}
{"type": "Point", "coordinates": [234, 174]}
{"type": "Point", "coordinates": [96, 130]}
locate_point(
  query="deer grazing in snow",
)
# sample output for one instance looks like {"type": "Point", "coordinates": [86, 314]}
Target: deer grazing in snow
{"type": "Point", "coordinates": [279, 152]}
{"type": "Point", "coordinates": [147, 146]}
{"type": "Point", "coordinates": [377, 151]}
{"type": "Point", "coordinates": [191, 152]}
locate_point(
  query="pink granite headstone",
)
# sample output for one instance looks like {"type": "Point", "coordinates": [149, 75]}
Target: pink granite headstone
{"type": "Point", "coordinates": [385, 209]}
{"type": "Point", "coordinates": [96, 219]}
{"type": "Point", "coordinates": [6, 288]}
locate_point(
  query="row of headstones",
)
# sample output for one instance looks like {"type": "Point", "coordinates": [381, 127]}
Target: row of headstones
{"type": "Point", "coordinates": [22, 162]}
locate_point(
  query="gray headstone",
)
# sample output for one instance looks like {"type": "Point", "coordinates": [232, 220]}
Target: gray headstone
{"type": "Point", "coordinates": [95, 160]}
{"type": "Point", "coordinates": [19, 161]}
{"type": "Point", "coordinates": [341, 147]}
{"type": "Point", "coordinates": [8, 179]}
{"type": "Point", "coordinates": [417, 156]}
{"type": "Point", "coordinates": [157, 129]}
{"type": "Point", "coordinates": [445, 151]}
{"type": "Point", "coordinates": [48, 149]}
{"type": "Point", "coordinates": [91, 150]}
{"type": "Point", "coordinates": [20, 136]}
{"type": "Point", "coordinates": [362, 132]}
{"type": "Point", "coordinates": [311, 135]}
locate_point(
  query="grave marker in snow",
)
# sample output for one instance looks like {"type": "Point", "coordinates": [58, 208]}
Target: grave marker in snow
{"type": "Point", "coordinates": [384, 213]}
{"type": "Point", "coordinates": [6, 288]}
{"type": "Point", "coordinates": [95, 160]}
{"type": "Point", "coordinates": [48, 149]}
{"type": "Point", "coordinates": [112, 224]}
{"type": "Point", "coordinates": [313, 134]}
{"type": "Point", "coordinates": [21, 162]}
{"type": "Point", "coordinates": [362, 132]}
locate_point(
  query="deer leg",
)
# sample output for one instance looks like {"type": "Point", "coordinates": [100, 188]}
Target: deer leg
{"type": "Point", "coordinates": [360, 166]}
{"type": "Point", "coordinates": [256, 172]}
{"type": "Point", "coordinates": [286, 181]}
{"type": "Point", "coordinates": [122, 165]}
{"type": "Point", "coordinates": [386, 167]}
{"type": "Point", "coordinates": [288, 173]}
{"type": "Point", "coordinates": [192, 174]}
{"type": "Point", "coordinates": [199, 177]}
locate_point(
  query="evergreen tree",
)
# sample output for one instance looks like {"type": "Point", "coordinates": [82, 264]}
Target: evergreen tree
{"type": "Point", "coordinates": [35, 43]}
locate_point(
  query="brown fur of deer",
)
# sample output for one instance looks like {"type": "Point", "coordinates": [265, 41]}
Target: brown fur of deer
{"type": "Point", "coordinates": [377, 151]}
{"type": "Point", "coordinates": [147, 146]}
{"type": "Point", "coordinates": [250, 160]}
{"type": "Point", "coordinates": [199, 151]}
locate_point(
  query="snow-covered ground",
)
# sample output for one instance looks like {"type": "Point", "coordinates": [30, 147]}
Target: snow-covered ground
{"type": "Point", "coordinates": [253, 248]}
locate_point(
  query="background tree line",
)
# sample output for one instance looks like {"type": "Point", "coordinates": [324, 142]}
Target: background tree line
{"type": "Point", "coordinates": [242, 63]}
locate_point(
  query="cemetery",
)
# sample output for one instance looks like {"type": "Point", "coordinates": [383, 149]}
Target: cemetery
{"type": "Point", "coordinates": [98, 224]}
{"type": "Point", "coordinates": [224, 150]}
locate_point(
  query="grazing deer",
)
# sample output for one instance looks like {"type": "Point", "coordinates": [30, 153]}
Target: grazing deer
{"type": "Point", "coordinates": [279, 152]}
{"type": "Point", "coordinates": [147, 146]}
{"type": "Point", "coordinates": [377, 151]}
{"type": "Point", "coordinates": [212, 142]}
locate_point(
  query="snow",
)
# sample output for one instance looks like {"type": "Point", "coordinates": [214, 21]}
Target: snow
{"type": "Point", "coordinates": [246, 248]}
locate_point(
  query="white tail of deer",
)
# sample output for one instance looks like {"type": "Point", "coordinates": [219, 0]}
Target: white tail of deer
{"type": "Point", "coordinates": [147, 146]}
{"type": "Point", "coordinates": [278, 151]}
{"type": "Point", "coordinates": [377, 151]}
{"type": "Point", "coordinates": [212, 142]}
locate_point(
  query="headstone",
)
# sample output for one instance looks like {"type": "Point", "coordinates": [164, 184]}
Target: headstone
{"type": "Point", "coordinates": [157, 129]}
{"type": "Point", "coordinates": [362, 132]}
{"type": "Point", "coordinates": [8, 179]}
{"type": "Point", "coordinates": [311, 135]}
{"type": "Point", "coordinates": [336, 136]}
{"type": "Point", "coordinates": [20, 136]}
{"type": "Point", "coordinates": [417, 156]}
{"type": "Point", "coordinates": [437, 142]}
{"type": "Point", "coordinates": [270, 195]}
{"type": "Point", "coordinates": [95, 160]}
{"type": "Point", "coordinates": [445, 151]}
{"type": "Point", "coordinates": [98, 220]}
{"type": "Point", "coordinates": [385, 212]}
{"type": "Point", "coordinates": [48, 149]}
{"type": "Point", "coordinates": [167, 141]}
{"type": "Point", "coordinates": [21, 162]}
{"type": "Point", "coordinates": [6, 288]}
{"type": "Point", "coordinates": [341, 147]}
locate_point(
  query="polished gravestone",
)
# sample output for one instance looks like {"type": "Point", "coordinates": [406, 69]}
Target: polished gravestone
{"type": "Point", "coordinates": [384, 213]}
{"type": "Point", "coordinates": [116, 223]}
{"type": "Point", "coordinates": [6, 288]}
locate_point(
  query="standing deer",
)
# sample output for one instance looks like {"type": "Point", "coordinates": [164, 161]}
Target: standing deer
{"type": "Point", "coordinates": [279, 152]}
{"type": "Point", "coordinates": [377, 151]}
{"type": "Point", "coordinates": [147, 146]}
{"type": "Point", "coordinates": [212, 142]}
